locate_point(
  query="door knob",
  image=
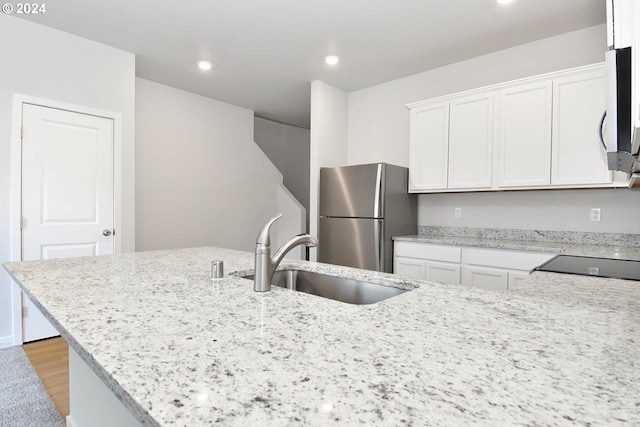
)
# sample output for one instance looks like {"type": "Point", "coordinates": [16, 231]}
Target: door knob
{"type": "Point", "coordinates": [106, 233]}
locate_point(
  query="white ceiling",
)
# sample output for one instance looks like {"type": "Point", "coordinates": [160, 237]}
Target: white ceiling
{"type": "Point", "coordinates": [266, 52]}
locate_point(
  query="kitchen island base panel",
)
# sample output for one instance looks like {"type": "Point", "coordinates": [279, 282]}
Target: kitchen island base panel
{"type": "Point", "coordinates": [91, 402]}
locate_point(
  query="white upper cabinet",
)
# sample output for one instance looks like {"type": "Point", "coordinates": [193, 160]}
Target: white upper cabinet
{"type": "Point", "coordinates": [524, 136]}
{"type": "Point", "coordinates": [428, 162]}
{"type": "Point", "coordinates": [471, 142]}
{"type": "Point", "coordinates": [535, 133]}
{"type": "Point", "coordinates": [578, 104]}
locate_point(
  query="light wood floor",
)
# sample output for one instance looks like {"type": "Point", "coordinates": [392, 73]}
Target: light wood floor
{"type": "Point", "coordinates": [50, 358]}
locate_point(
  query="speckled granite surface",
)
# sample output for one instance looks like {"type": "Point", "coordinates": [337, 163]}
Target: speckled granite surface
{"type": "Point", "coordinates": [606, 245]}
{"type": "Point", "coordinates": [549, 236]}
{"type": "Point", "coordinates": [181, 350]}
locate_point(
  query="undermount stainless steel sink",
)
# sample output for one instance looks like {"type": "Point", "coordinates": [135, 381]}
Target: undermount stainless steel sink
{"type": "Point", "coordinates": [336, 288]}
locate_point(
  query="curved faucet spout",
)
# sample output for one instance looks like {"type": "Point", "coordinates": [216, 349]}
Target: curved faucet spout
{"type": "Point", "coordinates": [265, 265]}
{"type": "Point", "coordinates": [301, 239]}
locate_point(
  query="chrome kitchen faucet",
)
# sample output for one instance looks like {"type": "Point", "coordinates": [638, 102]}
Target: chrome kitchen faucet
{"type": "Point", "coordinates": [265, 265]}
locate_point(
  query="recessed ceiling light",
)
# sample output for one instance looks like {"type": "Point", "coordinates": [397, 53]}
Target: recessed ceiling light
{"type": "Point", "coordinates": [503, 1]}
{"type": "Point", "coordinates": [331, 59]}
{"type": "Point", "coordinates": [204, 65]}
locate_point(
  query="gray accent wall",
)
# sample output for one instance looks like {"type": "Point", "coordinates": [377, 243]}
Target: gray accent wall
{"type": "Point", "coordinates": [288, 148]}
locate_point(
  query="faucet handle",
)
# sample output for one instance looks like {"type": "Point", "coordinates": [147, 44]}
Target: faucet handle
{"type": "Point", "coordinates": [263, 237]}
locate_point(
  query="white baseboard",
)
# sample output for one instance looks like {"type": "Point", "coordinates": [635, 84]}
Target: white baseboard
{"type": "Point", "coordinates": [6, 341]}
{"type": "Point", "coordinates": [70, 422]}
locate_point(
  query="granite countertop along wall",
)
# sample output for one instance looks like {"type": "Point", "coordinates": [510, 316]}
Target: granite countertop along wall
{"type": "Point", "coordinates": [180, 349]}
{"type": "Point", "coordinates": [605, 245]}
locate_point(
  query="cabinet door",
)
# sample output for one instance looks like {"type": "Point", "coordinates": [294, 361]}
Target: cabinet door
{"type": "Point", "coordinates": [442, 272]}
{"type": "Point", "coordinates": [428, 148]}
{"type": "Point", "coordinates": [410, 267]}
{"type": "Point", "coordinates": [578, 104]}
{"type": "Point", "coordinates": [487, 278]}
{"type": "Point", "coordinates": [524, 136]}
{"type": "Point", "coordinates": [471, 141]}
{"type": "Point", "coordinates": [516, 277]}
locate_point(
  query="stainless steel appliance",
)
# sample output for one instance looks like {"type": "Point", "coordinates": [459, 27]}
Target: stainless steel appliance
{"type": "Point", "coordinates": [621, 139]}
{"type": "Point", "coordinates": [588, 266]}
{"type": "Point", "coordinates": [361, 208]}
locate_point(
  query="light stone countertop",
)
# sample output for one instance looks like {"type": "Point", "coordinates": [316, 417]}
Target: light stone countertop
{"type": "Point", "coordinates": [181, 350]}
{"type": "Point", "coordinates": [568, 247]}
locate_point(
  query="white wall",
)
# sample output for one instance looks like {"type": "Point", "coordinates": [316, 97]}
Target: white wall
{"type": "Point", "coordinates": [558, 210]}
{"type": "Point", "coordinates": [288, 148]}
{"type": "Point", "coordinates": [45, 63]}
{"type": "Point", "coordinates": [379, 131]}
{"type": "Point", "coordinates": [328, 141]}
{"type": "Point", "coordinates": [200, 178]}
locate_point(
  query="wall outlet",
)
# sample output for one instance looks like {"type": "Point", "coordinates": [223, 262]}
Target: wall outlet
{"type": "Point", "coordinates": [457, 213]}
{"type": "Point", "coordinates": [595, 214]}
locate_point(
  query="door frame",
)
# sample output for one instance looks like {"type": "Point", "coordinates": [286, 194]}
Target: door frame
{"type": "Point", "coordinates": [16, 185]}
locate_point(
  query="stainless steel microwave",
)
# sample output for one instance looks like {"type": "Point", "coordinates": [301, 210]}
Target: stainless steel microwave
{"type": "Point", "coordinates": [618, 131]}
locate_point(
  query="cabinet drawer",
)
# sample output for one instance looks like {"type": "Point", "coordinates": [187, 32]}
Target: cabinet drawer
{"type": "Point", "coordinates": [513, 260]}
{"type": "Point", "coordinates": [428, 251]}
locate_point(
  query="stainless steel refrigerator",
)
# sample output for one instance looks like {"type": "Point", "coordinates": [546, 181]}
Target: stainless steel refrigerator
{"type": "Point", "coordinates": [361, 208]}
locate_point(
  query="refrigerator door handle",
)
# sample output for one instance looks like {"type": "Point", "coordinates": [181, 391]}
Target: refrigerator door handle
{"type": "Point", "coordinates": [378, 245]}
{"type": "Point", "coordinates": [378, 193]}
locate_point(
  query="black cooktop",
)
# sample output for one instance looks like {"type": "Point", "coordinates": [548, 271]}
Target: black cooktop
{"type": "Point", "coordinates": [589, 266]}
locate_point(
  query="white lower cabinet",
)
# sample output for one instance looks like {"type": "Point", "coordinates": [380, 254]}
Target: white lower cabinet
{"type": "Point", "coordinates": [443, 272]}
{"type": "Point", "coordinates": [439, 263]}
{"type": "Point", "coordinates": [410, 267]}
{"type": "Point", "coordinates": [496, 269]}
{"type": "Point", "coordinates": [484, 277]}
{"type": "Point", "coordinates": [515, 277]}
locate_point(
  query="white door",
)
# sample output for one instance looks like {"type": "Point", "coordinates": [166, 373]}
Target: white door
{"type": "Point", "coordinates": [67, 193]}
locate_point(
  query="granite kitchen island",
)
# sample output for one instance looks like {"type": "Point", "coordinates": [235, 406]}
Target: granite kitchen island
{"type": "Point", "coordinates": [178, 349]}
